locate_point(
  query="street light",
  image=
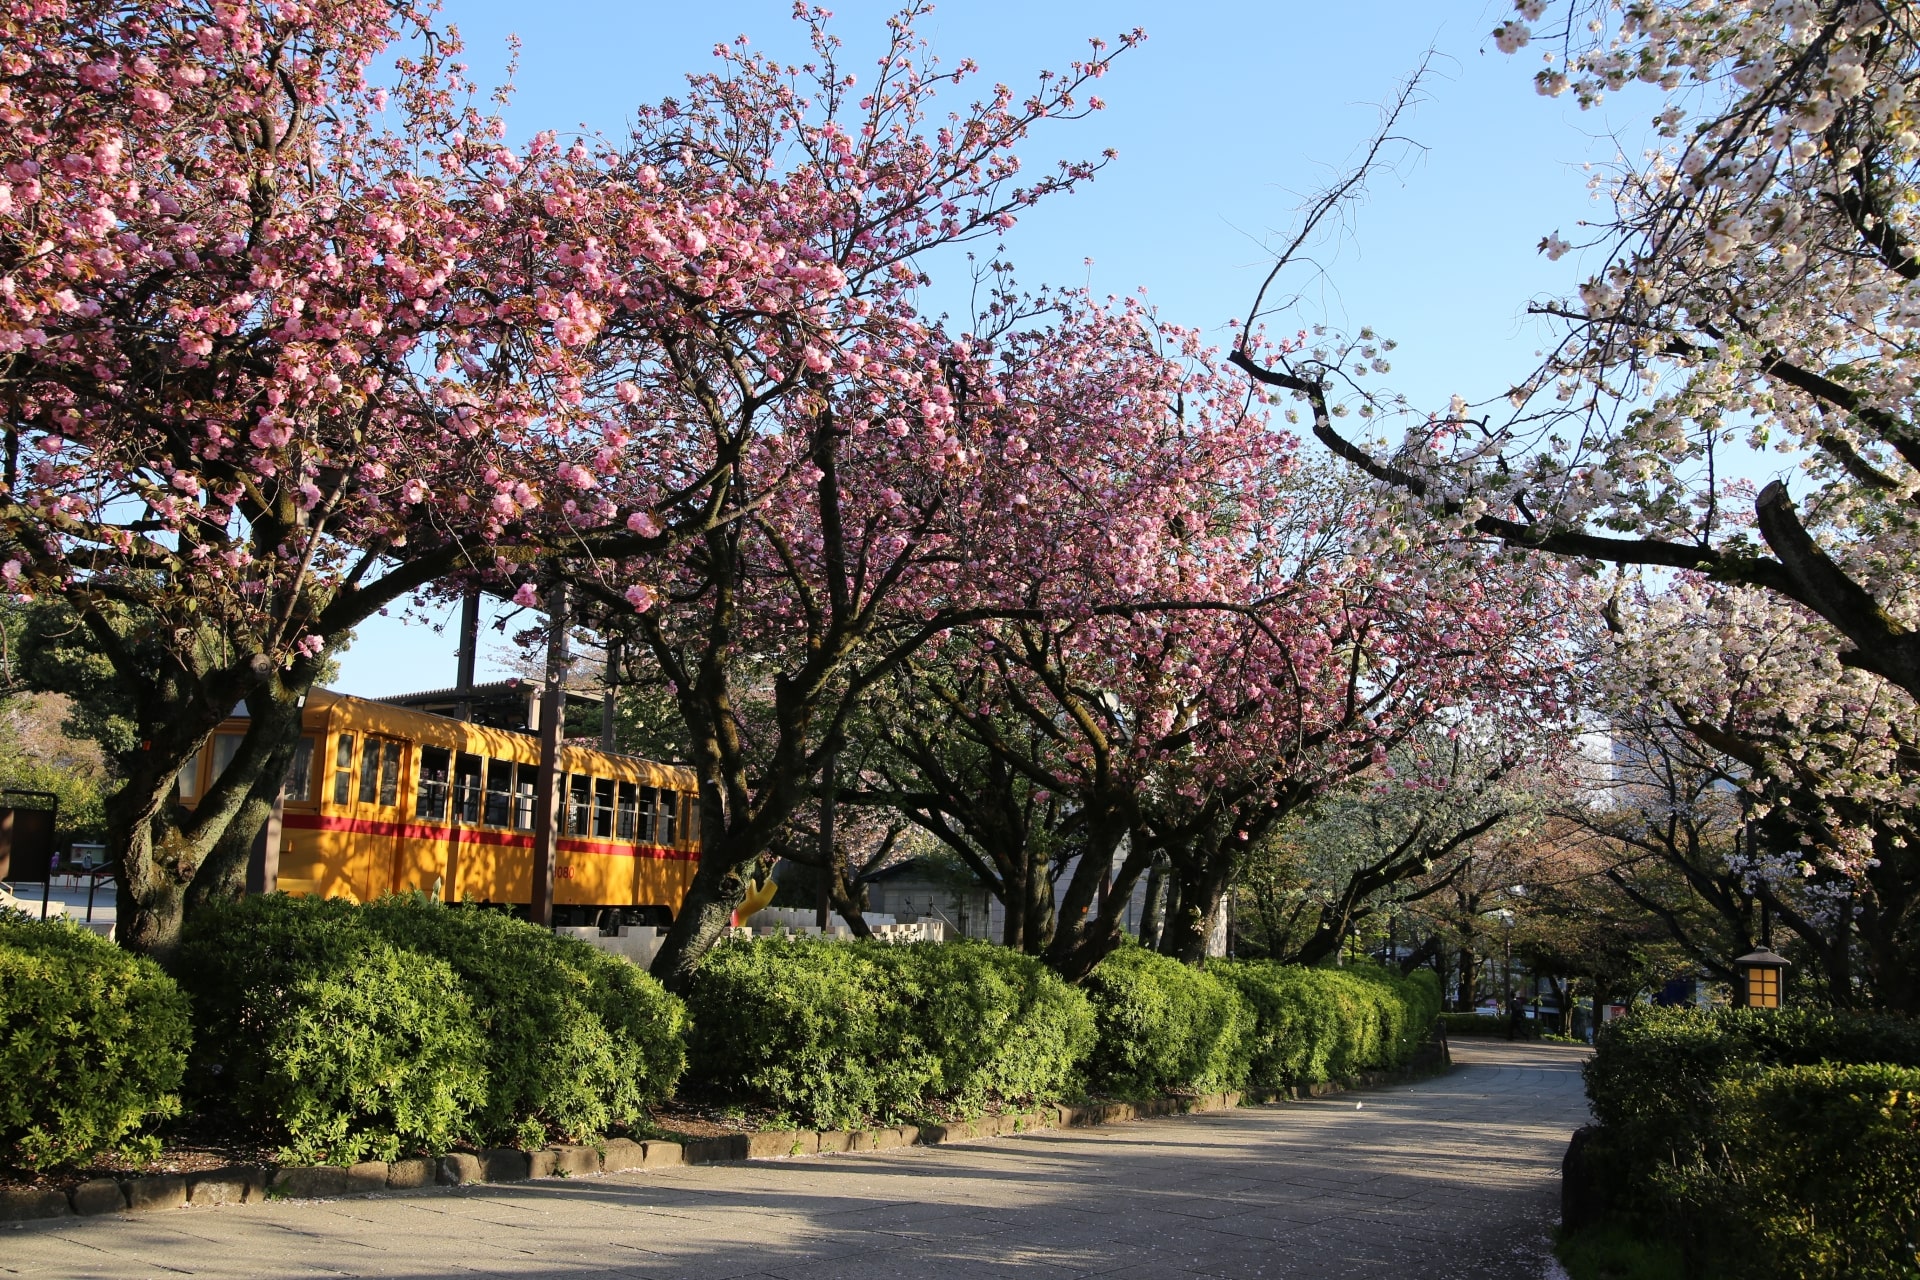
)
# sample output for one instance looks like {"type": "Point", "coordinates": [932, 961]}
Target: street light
{"type": "Point", "coordinates": [1506, 967]}
{"type": "Point", "coordinates": [1764, 976]}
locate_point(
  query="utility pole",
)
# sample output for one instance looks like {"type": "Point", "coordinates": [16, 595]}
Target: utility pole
{"type": "Point", "coordinates": [829, 801]}
{"type": "Point", "coordinates": [464, 662]}
{"type": "Point", "coordinates": [609, 686]}
{"type": "Point", "coordinates": [547, 806]}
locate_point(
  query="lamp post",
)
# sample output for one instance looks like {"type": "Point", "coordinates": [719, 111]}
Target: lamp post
{"type": "Point", "coordinates": [1762, 978]}
{"type": "Point", "coordinates": [1506, 966]}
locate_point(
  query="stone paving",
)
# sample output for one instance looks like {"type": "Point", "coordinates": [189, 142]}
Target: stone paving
{"type": "Point", "coordinates": [1457, 1176]}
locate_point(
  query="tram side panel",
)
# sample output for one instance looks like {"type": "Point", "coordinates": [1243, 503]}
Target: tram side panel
{"type": "Point", "coordinates": [382, 800]}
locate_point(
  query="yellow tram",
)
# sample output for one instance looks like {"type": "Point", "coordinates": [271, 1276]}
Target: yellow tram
{"type": "Point", "coordinates": [382, 799]}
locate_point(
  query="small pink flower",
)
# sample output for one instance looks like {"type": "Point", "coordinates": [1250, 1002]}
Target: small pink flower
{"type": "Point", "coordinates": [526, 597]}
{"type": "Point", "coordinates": [640, 598]}
{"type": "Point", "coordinates": [643, 524]}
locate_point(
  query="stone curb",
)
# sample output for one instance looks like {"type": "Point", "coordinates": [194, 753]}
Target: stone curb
{"type": "Point", "coordinates": [250, 1184]}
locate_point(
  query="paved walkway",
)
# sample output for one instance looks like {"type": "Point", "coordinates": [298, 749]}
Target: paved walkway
{"type": "Point", "coordinates": [1453, 1177]}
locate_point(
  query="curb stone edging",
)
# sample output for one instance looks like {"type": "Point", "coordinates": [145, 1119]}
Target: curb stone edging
{"type": "Point", "coordinates": [250, 1184]}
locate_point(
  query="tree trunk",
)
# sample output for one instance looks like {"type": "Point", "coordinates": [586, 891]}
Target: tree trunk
{"type": "Point", "coordinates": [223, 875]}
{"type": "Point", "coordinates": [158, 847]}
{"type": "Point", "coordinates": [1153, 913]}
{"type": "Point", "coordinates": [1088, 927]}
{"type": "Point", "coordinates": [719, 885]}
{"type": "Point", "coordinates": [1469, 969]}
{"type": "Point", "coordinates": [1013, 897]}
{"type": "Point", "coordinates": [1203, 888]}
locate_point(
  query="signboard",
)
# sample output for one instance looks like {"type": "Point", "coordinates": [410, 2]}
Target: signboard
{"type": "Point", "coordinates": [26, 845]}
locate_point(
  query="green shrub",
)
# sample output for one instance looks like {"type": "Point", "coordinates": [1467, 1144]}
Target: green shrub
{"type": "Point", "coordinates": [1815, 1173]}
{"type": "Point", "coordinates": [1653, 1073]}
{"type": "Point", "coordinates": [999, 1024]}
{"type": "Point", "coordinates": [316, 1030]}
{"type": "Point", "coordinates": [568, 1039]}
{"type": "Point", "coordinates": [1163, 1025]}
{"type": "Point", "coordinates": [832, 1034]}
{"type": "Point", "coordinates": [1313, 1025]}
{"type": "Point", "coordinates": [1689, 1101]}
{"type": "Point", "coordinates": [577, 1041]}
{"type": "Point", "coordinates": [93, 1044]}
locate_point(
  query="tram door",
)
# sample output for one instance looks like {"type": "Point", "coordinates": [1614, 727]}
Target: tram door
{"type": "Point", "coordinates": [366, 786]}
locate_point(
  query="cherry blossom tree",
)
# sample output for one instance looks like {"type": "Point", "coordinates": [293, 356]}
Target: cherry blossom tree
{"type": "Point", "coordinates": [1294, 639]}
{"type": "Point", "coordinates": [1753, 296]}
{"type": "Point", "coordinates": [1771, 777]}
{"type": "Point", "coordinates": [265, 368]}
{"type": "Point", "coordinates": [738, 282]}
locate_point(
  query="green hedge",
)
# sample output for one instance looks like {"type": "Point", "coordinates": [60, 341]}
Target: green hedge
{"type": "Point", "coordinates": [322, 1035]}
{"type": "Point", "coordinates": [1162, 1025]}
{"type": "Point", "coordinates": [93, 1043]}
{"type": "Point", "coordinates": [350, 1032]}
{"type": "Point", "coordinates": [1815, 1173]}
{"type": "Point", "coordinates": [1653, 1073]}
{"type": "Point", "coordinates": [577, 1041]}
{"type": "Point", "coordinates": [832, 1034]}
{"type": "Point", "coordinates": [1313, 1025]}
{"type": "Point", "coordinates": [1769, 1143]}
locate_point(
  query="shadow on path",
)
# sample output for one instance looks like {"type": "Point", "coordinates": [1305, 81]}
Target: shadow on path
{"type": "Point", "coordinates": [1456, 1176]}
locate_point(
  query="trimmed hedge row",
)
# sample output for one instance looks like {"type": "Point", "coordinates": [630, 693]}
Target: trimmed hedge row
{"type": "Point", "coordinates": [350, 1033]}
{"type": "Point", "coordinates": [343, 1032]}
{"type": "Point", "coordinates": [1768, 1143]}
{"type": "Point", "coordinates": [1164, 1025]}
{"type": "Point", "coordinates": [1314, 1025]}
{"type": "Point", "coordinates": [832, 1033]}
{"type": "Point", "coordinates": [93, 1043]}
{"type": "Point", "coordinates": [1816, 1172]}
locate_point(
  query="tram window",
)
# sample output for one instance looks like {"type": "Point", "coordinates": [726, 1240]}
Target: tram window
{"type": "Point", "coordinates": [499, 792]}
{"type": "Point", "coordinates": [431, 802]}
{"type": "Point", "coordinates": [690, 831]}
{"type": "Point", "coordinates": [526, 781]}
{"type": "Point", "coordinates": [629, 802]}
{"type": "Point", "coordinates": [190, 778]}
{"type": "Point", "coordinates": [649, 801]}
{"type": "Point", "coordinates": [390, 775]}
{"type": "Point", "coordinates": [343, 769]}
{"type": "Point", "coordinates": [300, 772]}
{"type": "Point", "coordinates": [603, 807]}
{"type": "Point", "coordinates": [225, 746]}
{"type": "Point", "coordinates": [580, 790]}
{"type": "Point", "coordinates": [466, 788]}
{"type": "Point", "coordinates": [369, 771]}
{"type": "Point", "coordinates": [668, 809]}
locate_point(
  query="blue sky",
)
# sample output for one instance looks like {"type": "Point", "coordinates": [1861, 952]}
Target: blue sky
{"type": "Point", "coordinates": [1224, 120]}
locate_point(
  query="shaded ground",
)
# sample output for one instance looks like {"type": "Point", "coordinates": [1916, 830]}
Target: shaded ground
{"type": "Point", "coordinates": [1451, 1177]}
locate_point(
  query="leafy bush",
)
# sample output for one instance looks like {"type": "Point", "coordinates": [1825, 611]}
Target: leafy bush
{"type": "Point", "coordinates": [999, 1024]}
{"type": "Point", "coordinates": [1653, 1074]}
{"type": "Point", "coordinates": [93, 1043]}
{"type": "Point", "coordinates": [521, 1034]}
{"type": "Point", "coordinates": [1814, 1173]}
{"type": "Point", "coordinates": [577, 1041]}
{"type": "Point", "coordinates": [831, 1034]}
{"type": "Point", "coordinates": [318, 1031]}
{"type": "Point", "coordinates": [1162, 1025]}
{"type": "Point", "coordinates": [1773, 1142]}
{"type": "Point", "coordinates": [1312, 1025]}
